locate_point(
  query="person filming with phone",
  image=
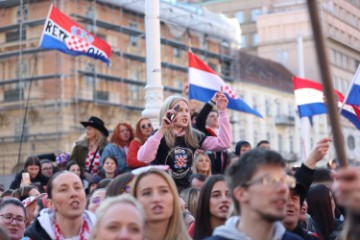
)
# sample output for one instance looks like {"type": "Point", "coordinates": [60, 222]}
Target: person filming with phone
{"type": "Point", "coordinates": [175, 142]}
{"type": "Point", "coordinates": [30, 174]}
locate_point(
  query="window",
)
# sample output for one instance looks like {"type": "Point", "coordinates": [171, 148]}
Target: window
{"type": "Point", "coordinates": [242, 134]}
{"type": "Point", "coordinates": [268, 137]}
{"type": "Point", "coordinates": [291, 144]}
{"type": "Point", "coordinates": [332, 56]}
{"type": "Point", "coordinates": [267, 107]}
{"type": "Point", "coordinates": [243, 40]}
{"type": "Point", "coordinates": [344, 61]}
{"type": "Point", "coordinates": [133, 39]}
{"type": "Point", "coordinates": [254, 14]}
{"type": "Point", "coordinates": [212, 66]}
{"type": "Point", "coordinates": [240, 16]}
{"type": "Point", "coordinates": [351, 142]}
{"type": "Point", "coordinates": [15, 36]}
{"type": "Point", "coordinates": [338, 58]}
{"type": "Point", "coordinates": [280, 143]}
{"type": "Point", "coordinates": [255, 39]}
{"type": "Point", "coordinates": [177, 52]}
{"type": "Point", "coordinates": [290, 110]}
{"type": "Point", "coordinates": [226, 68]}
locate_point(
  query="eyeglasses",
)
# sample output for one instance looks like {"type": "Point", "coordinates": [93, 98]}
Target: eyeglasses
{"type": "Point", "coordinates": [268, 180]}
{"type": "Point", "coordinates": [125, 189]}
{"type": "Point", "coordinates": [8, 218]}
{"type": "Point", "coordinates": [143, 126]}
{"type": "Point", "coordinates": [96, 200]}
{"type": "Point", "coordinates": [47, 169]}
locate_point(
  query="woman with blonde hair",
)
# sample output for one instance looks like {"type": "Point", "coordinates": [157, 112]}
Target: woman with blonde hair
{"type": "Point", "coordinates": [176, 141]}
{"type": "Point", "coordinates": [89, 147]}
{"type": "Point", "coordinates": [202, 164]}
{"type": "Point", "coordinates": [120, 217]}
{"type": "Point", "coordinates": [156, 192]}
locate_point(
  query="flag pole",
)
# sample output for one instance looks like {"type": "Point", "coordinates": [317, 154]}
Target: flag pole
{"type": "Point", "coordinates": [326, 79]}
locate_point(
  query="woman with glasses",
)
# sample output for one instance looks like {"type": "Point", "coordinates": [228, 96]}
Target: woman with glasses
{"type": "Point", "coordinates": [119, 145]}
{"type": "Point", "coordinates": [213, 206]}
{"type": "Point", "coordinates": [142, 132]}
{"type": "Point", "coordinates": [66, 217]}
{"type": "Point", "coordinates": [96, 198]}
{"type": "Point", "coordinates": [13, 219]}
{"type": "Point", "coordinates": [156, 192]}
{"type": "Point", "coordinates": [119, 185]}
{"type": "Point", "coordinates": [175, 143]}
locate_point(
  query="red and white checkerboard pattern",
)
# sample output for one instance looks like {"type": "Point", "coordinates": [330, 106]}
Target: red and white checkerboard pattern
{"type": "Point", "coordinates": [229, 92]}
{"type": "Point", "coordinates": [77, 44]}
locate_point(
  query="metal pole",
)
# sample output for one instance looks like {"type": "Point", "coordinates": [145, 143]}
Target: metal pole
{"type": "Point", "coordinates": [153, 88]}
{"type": "Point", "coordinates": [326, 79]}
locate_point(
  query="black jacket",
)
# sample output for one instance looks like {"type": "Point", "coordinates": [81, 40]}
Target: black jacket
{"type": "Point", "coordinates": [15, 184]}
{"type": "Point", "coordinates": [35, 231]}
{"type": "Point", "coordinates": [216, 158]}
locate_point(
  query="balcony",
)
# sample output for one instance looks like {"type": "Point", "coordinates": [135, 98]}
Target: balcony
{"type": "Point", "coordinates": [284, 121]}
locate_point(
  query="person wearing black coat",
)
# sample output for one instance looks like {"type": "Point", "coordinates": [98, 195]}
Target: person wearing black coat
{"type": "Point", "coordinates": [33, 168]}
{"type": "Point", "coordinates": [218, 159]}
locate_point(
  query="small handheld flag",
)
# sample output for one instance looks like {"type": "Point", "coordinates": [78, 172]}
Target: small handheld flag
{"type": "Point", "coordinates": [63, 34]}
{"type": "Point", "coordinates": [204, 83]}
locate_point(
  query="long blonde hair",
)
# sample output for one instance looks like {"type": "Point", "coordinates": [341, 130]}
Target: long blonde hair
{"type": "Point", "coordinates": [197, 156]}
{"type": "Point", "coordinates": [189, 137]}
{"type": "Point", "coordinates": [99, 138]}
{"type": "Point", "coordinates": [176, 228]}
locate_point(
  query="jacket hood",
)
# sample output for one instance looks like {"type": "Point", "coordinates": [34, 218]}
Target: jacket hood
{"type": "Point", "coordinates": [230, 231]}
{"type": "Point", "coordinates": [47, 216]}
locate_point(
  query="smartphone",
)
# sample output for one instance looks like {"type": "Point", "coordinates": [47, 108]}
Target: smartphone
{"type": "Point", "coordinates": [171, 116]}
{"type": "Point", "coordinates": [26, 177]}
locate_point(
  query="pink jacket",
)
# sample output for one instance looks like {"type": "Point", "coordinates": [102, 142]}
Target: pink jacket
{"type": "Point", "coordinates": [148, 151]}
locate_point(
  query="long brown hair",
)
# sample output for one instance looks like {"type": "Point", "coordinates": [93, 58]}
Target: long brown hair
{"type": "Point", "coordinates": [115, 137]}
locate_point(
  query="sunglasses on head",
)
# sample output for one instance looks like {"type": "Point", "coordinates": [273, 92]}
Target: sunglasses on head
{"type": "Point", "coordinates": [143, 126]}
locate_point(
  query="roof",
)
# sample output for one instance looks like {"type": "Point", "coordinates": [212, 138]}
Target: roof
{"type": "Point", "coordinates": [264, 72]}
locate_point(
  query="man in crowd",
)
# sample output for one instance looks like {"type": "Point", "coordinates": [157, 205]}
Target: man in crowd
{"type": "Point", "coordinates": [259, 183]}
{"type": "Point", "coordinates": [47, 168]}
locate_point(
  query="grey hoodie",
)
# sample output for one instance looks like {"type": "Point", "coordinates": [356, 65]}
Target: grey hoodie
{"type": "Point", "coordinates": [230, 231]}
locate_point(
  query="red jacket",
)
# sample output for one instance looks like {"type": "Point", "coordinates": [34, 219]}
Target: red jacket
{"type": "Point", "coordinates": [131, 157]}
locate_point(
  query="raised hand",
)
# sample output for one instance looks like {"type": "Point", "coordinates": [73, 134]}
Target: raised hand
{"type": "Point", "coordinates": [221, 100]}
{"type": "Point", "coordinates": [318, 153]}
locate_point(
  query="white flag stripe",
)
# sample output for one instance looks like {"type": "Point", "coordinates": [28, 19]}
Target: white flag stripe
{"type": "Point", "coordinates": [307, 96]}
{"type": "Point", "coordinates": [204, 79]}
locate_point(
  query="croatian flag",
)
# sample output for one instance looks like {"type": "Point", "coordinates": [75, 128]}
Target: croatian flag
{"type": "Point", "coordinates": [63, 34]}
{"type": "Point", "coordinates": [309, 99]}
{"type": "Point", "coordinates": [204, 83]}
{"type": "Point", "coordinates": [354, 94]}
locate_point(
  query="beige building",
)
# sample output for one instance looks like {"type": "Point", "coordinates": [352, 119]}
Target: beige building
{"type": "Point", "coordinates": [56, 91]}
{"type": "Point", "coordinates": [278, 26]}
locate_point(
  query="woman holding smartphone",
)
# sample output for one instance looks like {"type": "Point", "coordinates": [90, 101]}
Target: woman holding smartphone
{"type": "Point", "coordinates": [30, 174]}
{"type": "Point", "coordinates": [175, 142]}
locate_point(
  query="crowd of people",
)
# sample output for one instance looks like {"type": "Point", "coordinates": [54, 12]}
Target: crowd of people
{"type": "Point", "coordinates": [179, 181]}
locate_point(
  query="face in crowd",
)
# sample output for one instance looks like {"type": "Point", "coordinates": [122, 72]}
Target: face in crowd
{"type": "Point", "coordinates": [154, 194]}
{"type": "Point", "coordinates": [13, 220]}
{"type": "Point", "coordinates": [67, 196]}
{"type": "Point", "coordinates": [266, 193]}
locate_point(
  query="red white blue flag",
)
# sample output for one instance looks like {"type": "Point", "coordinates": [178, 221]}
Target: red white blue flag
{"type": "Point", "coordinates": [204, 83]}
{"type": "Point", "coordinates": [354, 94]}
{"type": "Point", "coordinates": [63, 34]}
{"type": "Point", "coordinates": [309, 99]}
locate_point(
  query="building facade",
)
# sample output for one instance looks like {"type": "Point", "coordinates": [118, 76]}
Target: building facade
{"type": "Point", "coordinates": [278, 26]}
{"type": "Point", "coordinates": [56, 91]}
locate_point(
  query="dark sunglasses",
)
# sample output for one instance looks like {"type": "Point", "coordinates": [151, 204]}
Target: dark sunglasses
{"type": "Point", "coordinates": [143, 126]}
